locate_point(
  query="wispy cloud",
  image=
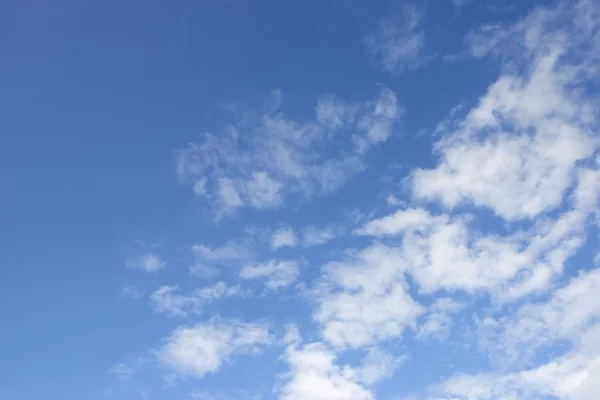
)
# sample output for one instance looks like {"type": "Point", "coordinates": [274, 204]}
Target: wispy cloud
{"type": "Point", "coordinates": [146, 262]}
{"type": "Point", "coordinates": [571, 314]}
{"type": "Point", "coordinates": [397, 44]}
{"type": "Point", "coordinates": [266, 158]}
{"type": "Point", "coordinates": [278, 274]}
{"type": "Point", "coordinates": [122, 371]}
{"type": "Point", "coordinates": [314, 236]}
{"type": "Point", "coordinates": [283, 237]}
{"type": "Point", "coordinates": [169, 301]}
{"type": "Point", "coordinates": [209, 260]}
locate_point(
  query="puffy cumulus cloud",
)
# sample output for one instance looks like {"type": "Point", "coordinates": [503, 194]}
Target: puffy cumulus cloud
{"type": "Point", "coordinates": [146, 262]}
{"type": "Point", "coordinates": [314, 374]}
{"type": "Point", "coordinates": [277, 274]}
{"type": "Point", "coordinates": [206, 347]}
{"type": "Point", "coordinates": [517, 150]}
{"type": "Point", "coordinates": [397, 44]}
{"type": "Point", "coordinates": [443, 252]}
{"type": "Point", "coordinates": [168, 300]}
{"type": "Point", "coordinates": [283, 237]}
{"type": "Point", "coordinates": [526, 153]}
{"type": "Point", "coordinates": [268, 156]}
{"type": "Point", "coordinates": [365, 299]}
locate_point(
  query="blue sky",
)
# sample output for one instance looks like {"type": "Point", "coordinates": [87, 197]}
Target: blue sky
{"type": "Point", "coordinates": [317, 200]}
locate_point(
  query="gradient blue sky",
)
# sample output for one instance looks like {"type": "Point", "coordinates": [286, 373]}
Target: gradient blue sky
{"type": "Point", "coordinates": [299, 200]}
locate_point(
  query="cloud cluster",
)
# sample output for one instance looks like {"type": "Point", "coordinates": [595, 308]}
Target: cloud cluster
{"type": "Point", "coordinates": [266, 157]}
{"type": "Point", "coordinates": [486, 234]}
{"type": "Point", "coordinates": [526, 152]}
{"type": "Point", "coordinates": [571, 314]}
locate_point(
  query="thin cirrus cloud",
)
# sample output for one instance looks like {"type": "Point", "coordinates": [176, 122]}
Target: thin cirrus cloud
{"type": "Point", "coordinates": [262, 160]}
{"type": "Point", "coordinates": [169, 301]}
{"type": "Point", "coordinates": [396, 45]}
{"type": "Point", "coordinates": [210, 261]}
{"type": "Point", "coordinates": [146, 262]}
{"type": "Point", "coordinates": [277, 274]}
{"type": "Point", "coordinates": [309, 237]}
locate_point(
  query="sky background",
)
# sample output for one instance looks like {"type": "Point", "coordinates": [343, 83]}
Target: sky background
{"type": "Point", "coordinates": [315, 200]}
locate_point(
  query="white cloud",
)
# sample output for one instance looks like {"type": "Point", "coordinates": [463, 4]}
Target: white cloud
{"type": "Point", "coordinates": [283, 237]}
{"type": "Point", "coordinates": [398, 222]}
{"type": "Point", "coordinates": [315, 376]}
{"type": "Point", "coordinates": [263, 192]}
{"type": "Point", "coordinates": [209, 260]}
{"type": "Point", "coordinates": [528, 142]}
{"type": "Point", "coordinates": [266, 157]}
{"type": "Point", "coordinates": [439, 319]}
{"type": "Point", "coordinates": [527, 152]}
{"type": "Point", "coordinates": [278, 274]}
{"type": "Point", "coordinates": [392, 200]}
{"type": "Point", "coordinates": [318, 236]}
{"type": "Point", "coordinates": [364, 299]}
{"type": "Point", "coordinates": [206, 347]}
{"type": "Point", "coordinates": [398, 42]}
{"type": "Point", "coordinates": [334, 112]}
{"type": "Point", "coordinates": [229, 197]}
{"type": "Point", "coordinates": [378, 365]}
{"type": "Point", "coordinates": [573, 376]}
{"type": "Point", "coordinates": [571, 315]}
{"type": "Point", "coordinates": [217, 291]}
{"type": "Point", "coordinates": [443, 252]}
{"type": "Point", "coordinates": [377, 125]}
{"type": "Point", "coordinates": [146, 262]}
{"type": "Point", "coordinates": [516, 151]}
{"type": "Point", "coordinates": [573, 309]}
{"type": "Point", "coordinates": [167, 300]}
